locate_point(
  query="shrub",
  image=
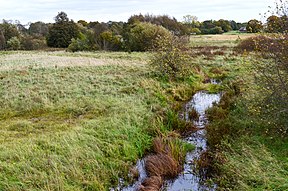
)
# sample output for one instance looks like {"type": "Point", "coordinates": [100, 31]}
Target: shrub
{"type": "Point", "coordinates": [109, 41]}
{"type": "Point", "coordinates": [79, 44]}
{"type": "Point", "coordinates": [271, 75]}
{"type": "Point", "coordinates": [256, 43]}
{"type": "Point", "coordinates": [195, 31]}
{"type": "Point", "coordinates": [171, 58]}
{"type": "Point", "coordinates": [14, 43]}
{"type": "Point", "coordinates": [30, 43]}
{"type": "Point", "coordinates": [142, 36]}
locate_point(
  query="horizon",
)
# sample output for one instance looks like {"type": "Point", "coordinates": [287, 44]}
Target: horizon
{"type": "Point", "coordinates": [114, 10]}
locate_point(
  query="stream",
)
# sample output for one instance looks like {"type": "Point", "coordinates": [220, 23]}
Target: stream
{"type": "Point", "coordinates": [188, 179]}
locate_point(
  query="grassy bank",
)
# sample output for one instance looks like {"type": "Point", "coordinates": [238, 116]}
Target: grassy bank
{"type": "Point", "coordinates": [249, 145]}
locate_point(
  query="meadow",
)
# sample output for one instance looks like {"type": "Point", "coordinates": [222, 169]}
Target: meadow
{"type": "Point", "coordinates": [72, 121]}
{"type": "Point", "coordinates": [79, 121]}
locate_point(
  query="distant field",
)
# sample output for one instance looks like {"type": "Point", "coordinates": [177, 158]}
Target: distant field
{"type": "Point", "coordinates": [226, 39]}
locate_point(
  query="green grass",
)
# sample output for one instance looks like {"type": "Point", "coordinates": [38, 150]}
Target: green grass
{"type": "Point", "coordinates": [250, 150]}
{"type": "Point", "coordinates": [72, 126]}
{"type": "Point", "coordinates": [79, 121]}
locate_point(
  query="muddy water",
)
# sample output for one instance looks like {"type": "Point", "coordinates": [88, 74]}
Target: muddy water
{"type": "Point", "coordinates": [188, 179]}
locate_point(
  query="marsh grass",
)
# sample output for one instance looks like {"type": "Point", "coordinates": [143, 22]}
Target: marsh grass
{"type": "Point", "coordinates": [166, 161]}
{"type": "Point", "coordinates": [246, 153]}
{"type": "Point", "coordinates": [67, 124]}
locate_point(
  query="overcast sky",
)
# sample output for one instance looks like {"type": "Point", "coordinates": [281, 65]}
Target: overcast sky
{"type": "Point", "coordinates": [115, 10]}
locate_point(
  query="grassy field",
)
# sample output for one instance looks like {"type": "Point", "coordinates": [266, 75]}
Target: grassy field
{"type": "Point", "coordinates": [79, 121]}
{"type": "Point", "coordinates": [226, 39]}
{"type": "Point", "coordinates": [72, 121]}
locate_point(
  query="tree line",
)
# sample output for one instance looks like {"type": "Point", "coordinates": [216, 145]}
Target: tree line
{"type": "Point", "coordinates": [137, 34]}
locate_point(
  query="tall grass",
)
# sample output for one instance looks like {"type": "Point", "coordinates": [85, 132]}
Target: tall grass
{"type": "Point", "coordinates": [67, 126]}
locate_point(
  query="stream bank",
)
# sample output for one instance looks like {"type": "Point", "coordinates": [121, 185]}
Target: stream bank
{"type": "Point", "coordinates": [188, 179]}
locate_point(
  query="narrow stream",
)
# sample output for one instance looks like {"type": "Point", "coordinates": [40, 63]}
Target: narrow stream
{"type": "Point", "coordinates": [188, 179]}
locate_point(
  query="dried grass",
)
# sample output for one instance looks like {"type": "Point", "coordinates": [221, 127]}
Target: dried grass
{"type": "Point", "coordinates": [152, 183]}
{"type": "Point", "coordinates": [166, 162]}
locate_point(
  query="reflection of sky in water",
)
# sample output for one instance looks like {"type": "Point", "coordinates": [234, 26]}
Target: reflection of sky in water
{"type": "Point", "coordinates": [201, 101]}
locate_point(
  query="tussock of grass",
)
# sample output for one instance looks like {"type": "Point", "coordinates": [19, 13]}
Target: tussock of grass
{"type": "Point", "coordinates": [166, 162]}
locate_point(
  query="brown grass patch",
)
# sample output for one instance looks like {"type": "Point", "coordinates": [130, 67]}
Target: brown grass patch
{"type": "Point", "coordinates": [152, 183]}
{"type": "Point", "coordinates": [166, 162]}
{"type": "Point", "coordinates": [193, 114]}
{"type": "Point", "coordinates": [163, 165]}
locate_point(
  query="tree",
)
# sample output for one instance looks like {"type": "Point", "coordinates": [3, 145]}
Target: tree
{"type": "Point", "coordinates": [170, 58]}
{"type": "Point", "coordinates": [109, 41]}
{"type": "Point", "coordinates": [142, 36]}
{"type": "Point", "coordinates": [254, 26]}
{"type": "Point", "coordinates": [224, 24]}
{"type": "Point", "coordinates": [14, 43]}
{"type": "Point", "coordinates": [164, 20]}
{"type": "Point", "coordinates": [38, 29]}
{"type": "Point", "coordinates": [62, 31]}
{"type": "Point", "coordinates": [61, 18]}
{"type": "Point", "coordinates": [83, 23]}
{"type": "Point", "coordinates": [234, 25]}
{"type": "Point", "coordinates": [208, 24]}
{"type": "Point", "coordinates": [2, 40]}
{"type": "Point", "coordinates": [9, 30]}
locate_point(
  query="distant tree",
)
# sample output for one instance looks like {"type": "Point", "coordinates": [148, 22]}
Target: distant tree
{"type": "Point", "coordinates": [83, 23]}
{"type": "Point", "coordinates": [20, 27]}
{"type": "Point", "coordinates": [2, 40]}
{"type": "Point", "coordinates": [136, 19]}
{"type": "Point", "coordinates": [80, 44]}
{"type": "Point", "coordinates": [216, 30]}
{"type": "Point", "coordinates": [171, 24]}
{"type": "Point", "coordinates": [192, 23]}
{"type": "Point", "coordinates": [29, 42]}
{"type": "Point", "coordinates": [224, 24]}
{"type": "Point", "coordinates": [13, 43]}
{"type": "Point", "coordinates": [234, 25]}
{"type": "Point", "coordinates": [9, 30]}
{"type": "Point", "coordinates": [142, 36]}
{"type": "Point", "coordinates": [116, 27]}
{"type": "Point", "coordinates": [189, 19]}
{"type": "Point", "coordinates": [61, 17]}
{"type": "Point", "coordinates": [110, 42]}
{"type": "Point", "coordinates": [195, 31]}
{"type": "Point", "coordinates": [208, 24]}
{"type": "Point", "coordinates": [242, 24]}
{"type": "Point", "coordinates": [97, 29]}
{"type": "Point", "coordinates": [38, 29]}
{"type": "Point", "coordinates": [254, 26]}
{"type": "Point", "coordinates": [62, 31]}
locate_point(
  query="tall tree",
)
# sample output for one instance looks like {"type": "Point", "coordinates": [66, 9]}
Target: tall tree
{"type": "Point", "coordinates": [38, 29]}
{"type": "Point", "coordinates": [62, 31]}
{"type": "Point", "coordinates": [224, 24]}
{"type": "Point", "coordinates": [254, 26]}
{"type": "Point", "coordinates": [2, 40]}
{"type": "Point", "coordinates": [9, 30]}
